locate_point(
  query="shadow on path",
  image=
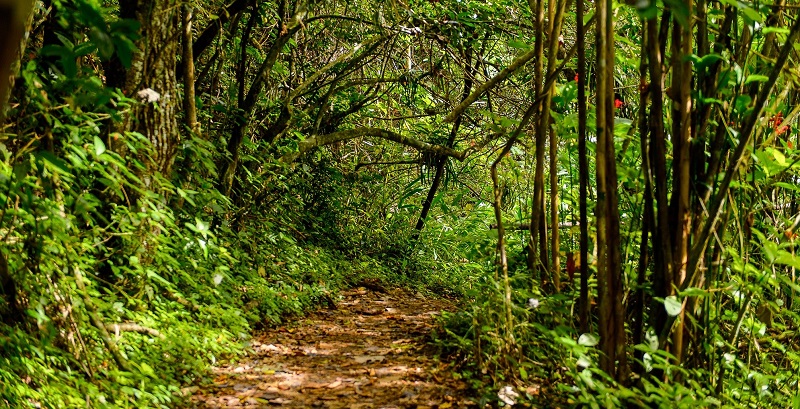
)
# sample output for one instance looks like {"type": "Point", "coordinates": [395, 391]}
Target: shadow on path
{"type": "Point", "coordinates": [369, 352]}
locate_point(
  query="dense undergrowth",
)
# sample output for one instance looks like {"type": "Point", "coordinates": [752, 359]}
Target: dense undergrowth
{"type": "Point", "coordinates": [121, 307]}
{"type": "Point", "coordinates": [122, 288]}
{"type": "Point", "coordinates": [550, 363]}
{"type": "Point", "coordinates": [144, 233]}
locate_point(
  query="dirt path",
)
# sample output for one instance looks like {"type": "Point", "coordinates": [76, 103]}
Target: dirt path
{"type": "Point", "coordinates": [368, 353]}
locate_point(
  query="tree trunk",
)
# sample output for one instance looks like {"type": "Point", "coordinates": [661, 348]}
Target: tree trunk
{"type": "Point", "coordinates": [556, 20]}
{"type": "Point", "coordinates": [16, 17]}
{"type": "Point", "coordinates": [151, 79]}
{"type": "Point", "coordinates": [583, 175]}
{"type": "Point", "coordinates": [613, 359]}
{"type": "Point", "coordinates": [662, 254]}
{"type": "Point", "coordinates": [638, 312]}
{"type": "Point", "coordinates": [441, 161]}
{"type": "Point", "coordinates": [189, 106]}
{"type": "Point", "coordinates": [537, 259]}
{"type": "Point", "coordinates": [681, 131]}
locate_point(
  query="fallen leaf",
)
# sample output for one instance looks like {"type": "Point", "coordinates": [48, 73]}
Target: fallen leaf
{"type": "Point", "coordinates": [533, 390]}
{"type": "Point", "coordinates": [335, 384]}
{"type": "Point", "coordinates": [280, 401]}
{"type": "Point", "coordinates": [189, 390]}
{"type": "Point", "coordinates": [365, 359]}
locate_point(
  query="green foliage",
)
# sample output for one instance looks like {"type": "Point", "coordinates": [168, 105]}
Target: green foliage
{"type": "Point", "coordinates": [120, 285]}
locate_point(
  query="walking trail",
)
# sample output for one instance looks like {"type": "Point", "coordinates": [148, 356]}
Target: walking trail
{"type": "Point", "coordinates": [368, 352]}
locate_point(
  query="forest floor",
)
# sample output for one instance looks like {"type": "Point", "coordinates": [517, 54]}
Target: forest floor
{"type": "Point", "coordinates": [368, 352]}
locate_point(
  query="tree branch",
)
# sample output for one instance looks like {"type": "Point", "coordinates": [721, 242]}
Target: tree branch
{"type": "Point", "coordinates": [505, 73]}
{"type": "Point", "coordinates": [486, 86]}
{"type": "Point", "coordinates": [210, 33]}
{"type": "Point", "coordinates": [131, 327]}
{"type": "Point", "coordinates": [322, 140]}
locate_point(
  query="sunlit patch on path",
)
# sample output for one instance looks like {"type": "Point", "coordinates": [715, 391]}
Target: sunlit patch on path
{"type": "Point", "coordinates": [368, 353]}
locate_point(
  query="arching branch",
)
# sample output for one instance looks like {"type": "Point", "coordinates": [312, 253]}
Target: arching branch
{"type": "Point", "coordinates": [506, 72]}
{"type": "Point", "coordinates": [327, 139]}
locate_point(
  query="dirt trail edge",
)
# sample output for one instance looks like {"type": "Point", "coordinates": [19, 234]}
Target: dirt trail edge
{"type": "Point", "coordinates": [369, 352]}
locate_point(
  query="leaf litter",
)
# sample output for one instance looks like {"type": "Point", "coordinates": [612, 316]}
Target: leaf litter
{"type": "Point", "coordinates": [369, 352]}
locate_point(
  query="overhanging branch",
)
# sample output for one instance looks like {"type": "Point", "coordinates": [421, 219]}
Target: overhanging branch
{"type": "Point", "coordinates": [327, 139]}
{"type": "Point", "coordinates": [506, 72]}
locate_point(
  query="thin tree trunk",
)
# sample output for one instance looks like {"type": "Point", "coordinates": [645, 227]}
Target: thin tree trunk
{"type": "Point", "coordinates": [556, 20]}
{"type": "Point", "coordinates": [613, 359]}
{"type": "Point", "coordinates": [469, 73]}
{"type": "Point", "coordinates": [661, 277]}
{"type": "Point", "coordinates": [189, 106]}
{"type": "Point", "coordinates": [498, 214]}
{"type": "Point", "coordinates": [536, 258]}
{"type": "Point", "coordinates": [583, 175]}
{"type": "Point", "coordinates": [647, 214]}
{"type": "Point", "coordinates": [501, 247]}
{"type": "Point", "coordinates": [681, 131]}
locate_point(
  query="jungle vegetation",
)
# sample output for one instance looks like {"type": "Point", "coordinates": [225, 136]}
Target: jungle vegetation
{"type": "Point", "coordinates": [607, 187]}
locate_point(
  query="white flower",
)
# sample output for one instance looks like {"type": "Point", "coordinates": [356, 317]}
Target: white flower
{"type": "Point", "coordinates": [533, 303]}
{"type": "Point", "coordinates": [508, 395]}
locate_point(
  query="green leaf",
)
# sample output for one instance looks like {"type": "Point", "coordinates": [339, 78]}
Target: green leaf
{"type": "Point", "coordinates": [788, 259]}
{"type": "Point", "coordinates": [147, 369]}
{"type": "Point", "coordinates": [84, 49]}
{"type": "Point", "coordinates": [124, 48]}
{"type": "Point", "coordinates": [742, 103]}
{"type": "Point", "coordinates": [519, 44]}
{"type": "Point", "coordinates": [770, 250]}
{"type": "Point", "coordinates": [707, 60]}
{"type": "Point", "coordinates": [523, 374]}
{"type": "Point", "coordinates": [755, 78]}
{"type": "Point", "coordinates": [694, 292]}
{"type": "Point", "coordinates": [752, 14]}
{"type": "Point", "coordinates": [55, 162]}
{"type": "Point", "coordinates": [779, 157]}
{"type": "Point", "coordinates": [99, 146]}
{"type": "Point", "coordinates": [584, 361]}
{"type": "Point", "coordinates": [105, 46]}
{"type": "Point", "coordinates": [648, 9]}
{"type": "Point", "coordinates": [790, 186]}
{"type": "Point", "coordinates": [777, 30]}
{"type": "Point", "coordinates": [679, 10]}
{"type": "Point", "coordinates": [673, 305]}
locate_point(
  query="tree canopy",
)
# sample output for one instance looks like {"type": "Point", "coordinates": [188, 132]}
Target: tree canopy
{"type": "Point", "coordinates": [608, 188]}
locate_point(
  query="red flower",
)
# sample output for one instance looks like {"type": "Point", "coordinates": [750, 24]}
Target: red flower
{"type": "Point", "coordinates": [618, 103]}
{"type": "Point", "coordinates": [576, 77]}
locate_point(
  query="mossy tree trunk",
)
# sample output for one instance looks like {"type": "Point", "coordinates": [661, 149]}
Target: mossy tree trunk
{"type": "Point", "coordinates": [151, 79]}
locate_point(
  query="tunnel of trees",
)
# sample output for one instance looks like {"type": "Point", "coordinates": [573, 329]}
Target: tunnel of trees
{"type": "Point", "coordinates": [607, 188]}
